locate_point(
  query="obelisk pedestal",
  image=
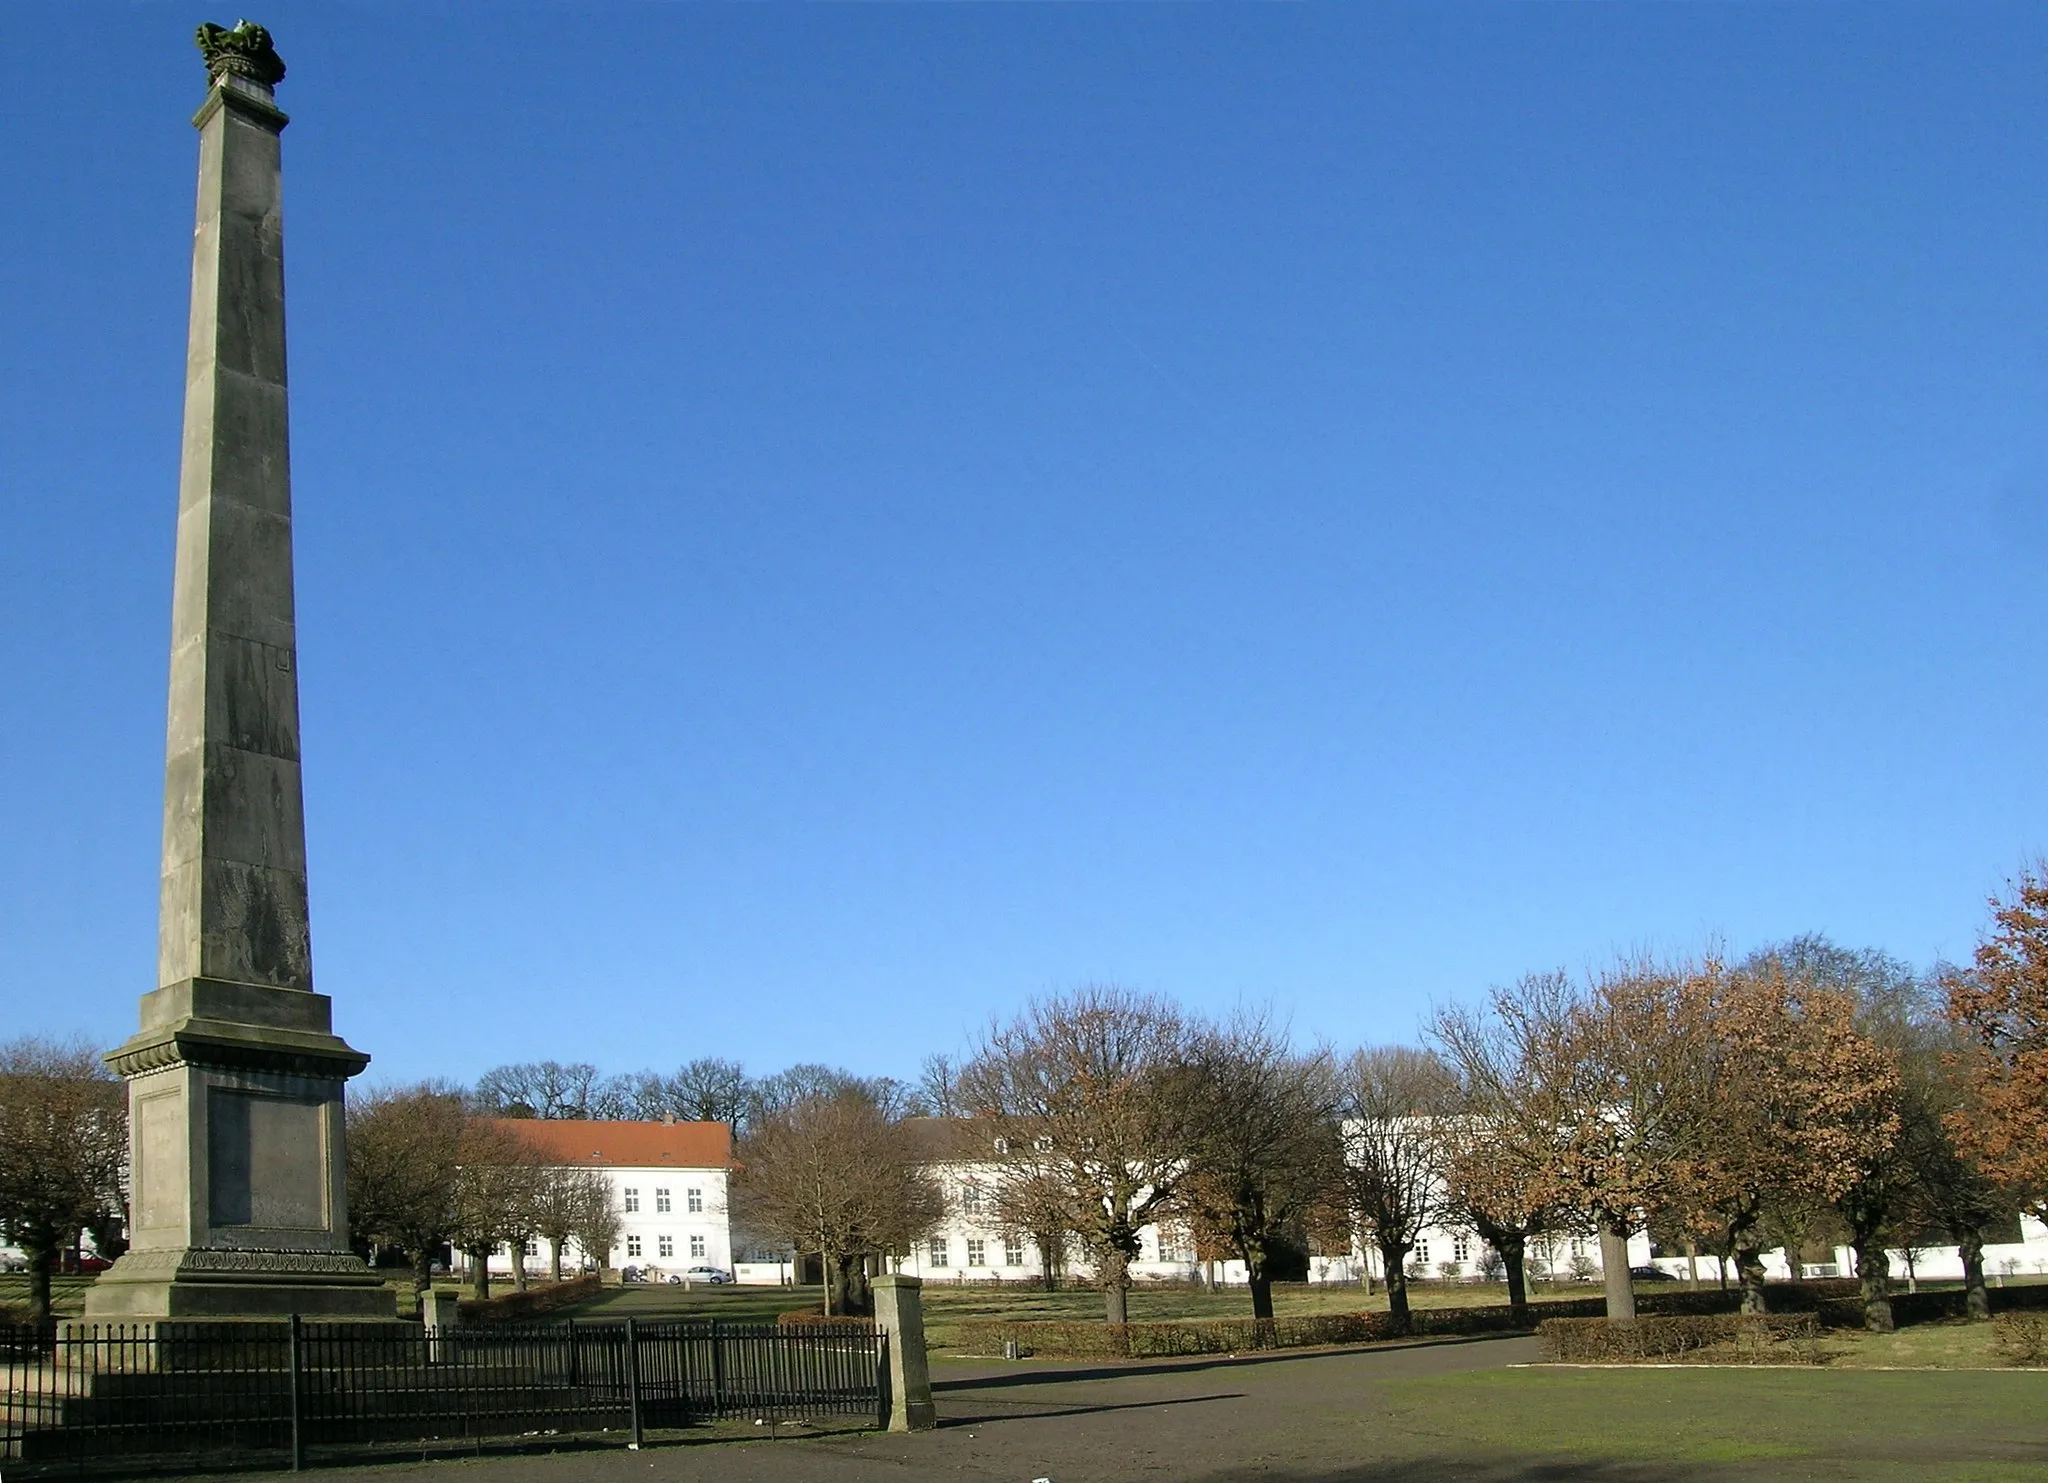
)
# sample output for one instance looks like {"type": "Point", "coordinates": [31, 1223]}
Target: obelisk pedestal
{"type": "Point", "coordinates": [238, 1206]}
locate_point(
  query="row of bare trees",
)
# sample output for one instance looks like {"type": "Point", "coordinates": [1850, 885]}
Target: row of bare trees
{"type": "Point", "coordinates": [708, 1089]}
{"type": "Point", "coordinates": [425, 1172]}
{"type": "Point", "coordinates": [1807, 1093]}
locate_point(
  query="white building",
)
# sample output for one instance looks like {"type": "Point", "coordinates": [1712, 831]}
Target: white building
{"type": "Point", "coordinates": [668, 1184]}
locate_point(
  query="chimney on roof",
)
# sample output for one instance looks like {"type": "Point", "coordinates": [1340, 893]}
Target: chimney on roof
{"type": "Point", "coordinates": [669, 1118]}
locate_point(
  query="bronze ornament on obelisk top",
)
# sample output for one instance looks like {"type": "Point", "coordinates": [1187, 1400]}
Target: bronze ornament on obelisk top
{"type": "Point", "coordinates": [238, 1199]}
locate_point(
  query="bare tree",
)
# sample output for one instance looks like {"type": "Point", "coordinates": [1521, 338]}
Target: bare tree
{"type": "Point", "coordinates": [547, 1089]}
{"type": "Point", "coordinates": [1396, 1101]}
{"type": "Point", "coordinates": [710, 1090]}
{"type": "Point", "coordinates": [597, 1222]}
{"type": "Point", "coordinates": [404, 1161]}
{"type": "Point", "coordinates": [1039, 1207]}
{"type": "Point", "coordinates": [491, 1198]}
{"type": "Point", "coordinates": [836, 1173]}
{"type": "Point", "coordinates": [938, 1087]}
{"type": "Point", "coordinates": [1264, 1150]}
{"type": "Point", "coordinates": [562, 1199]}
{"type": "Point", "coordinates": [1087, 1093]}
{"type": "Point", "coordinates": [63, 1151]}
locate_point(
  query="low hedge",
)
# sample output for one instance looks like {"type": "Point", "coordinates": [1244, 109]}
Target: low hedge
{"type": "Point", "coordinates": [1765, 1338]}
{"type": "Point", "coordinates": [811, 1318]}
{"type": "Point", "coordinates": [1093, 1339]}
{"type": "Point", "coordinates": [516, 1307]}
{"type": "Point", "coordinates": [2021, 1338]}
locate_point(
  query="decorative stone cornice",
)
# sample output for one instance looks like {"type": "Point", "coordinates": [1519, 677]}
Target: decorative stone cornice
{"type": "Point", "coordinates": [218, 1043]}
{"type": "Point", "coordinates": [246, 51]}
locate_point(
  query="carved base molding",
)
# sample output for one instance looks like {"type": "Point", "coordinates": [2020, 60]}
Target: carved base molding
{"type": "Point", "coordinates": [224, 1283]}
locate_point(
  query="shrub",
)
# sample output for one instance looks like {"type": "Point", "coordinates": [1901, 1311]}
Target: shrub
{"type": "Point", "coordinates": [2021, 1338]}
{"type": "Point", "coordinates": [516, 1307]}
{"type": "Point", "coordinates": [1743, 1338]}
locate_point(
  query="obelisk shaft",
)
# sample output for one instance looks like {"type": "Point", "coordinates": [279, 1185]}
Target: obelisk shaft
{"type": "Point", "coordinates": [234, 850]}
{"type": "Point", "coordinates": [237, 1139]}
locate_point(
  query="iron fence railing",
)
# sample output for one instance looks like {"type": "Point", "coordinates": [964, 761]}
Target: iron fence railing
{"type": "Point", "coordinates": [112, 1398]}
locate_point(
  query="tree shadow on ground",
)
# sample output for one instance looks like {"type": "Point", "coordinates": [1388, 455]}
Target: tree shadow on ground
{"type": "Point", "coordinates": [1474, 1470]}
{"type": "Point", "coordinates": [1111, 1370]}
{"type": "Point", "coordinates": [1038, 1411]}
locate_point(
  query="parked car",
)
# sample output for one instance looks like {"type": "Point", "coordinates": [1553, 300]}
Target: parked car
{"type": "Point", "coordinates": [711, 1275]}
{"type": "Point", "coordinates": [1650, 1274]}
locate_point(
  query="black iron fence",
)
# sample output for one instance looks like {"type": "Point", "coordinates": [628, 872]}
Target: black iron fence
{"type": "Point", "coordinates": [115, 1398]}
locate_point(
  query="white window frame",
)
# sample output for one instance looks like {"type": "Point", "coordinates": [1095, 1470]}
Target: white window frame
{"type": "Point", "coordinates": [632, 1199]}
{"type": "Point", "coordinates": [661, 1200]}
{"type": "Point", "coordinates": [693, 1201]}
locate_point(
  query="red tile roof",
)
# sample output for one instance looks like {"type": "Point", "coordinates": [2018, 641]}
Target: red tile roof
{"type": "Point", "coordinates": [623, 1145]}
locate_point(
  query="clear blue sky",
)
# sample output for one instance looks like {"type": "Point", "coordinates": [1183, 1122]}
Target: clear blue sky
{"type": "Point", "coordinates": [815, 525]}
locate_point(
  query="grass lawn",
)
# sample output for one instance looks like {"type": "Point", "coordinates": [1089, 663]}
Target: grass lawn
{"type": "Point", "coordinates": [1871, 1425]}
{"type": "Point", "coordinates": [67, 1295]}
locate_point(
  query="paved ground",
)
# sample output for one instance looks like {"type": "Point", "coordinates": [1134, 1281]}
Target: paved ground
{"type": "Point", "coordinates": [1427, 1414]}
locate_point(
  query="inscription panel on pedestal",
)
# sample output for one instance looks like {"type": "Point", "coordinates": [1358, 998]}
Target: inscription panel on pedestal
{"type": "Point", "coordinates": [267, 1161]}
{"type": "Point", "coordinates": [160, 1160]}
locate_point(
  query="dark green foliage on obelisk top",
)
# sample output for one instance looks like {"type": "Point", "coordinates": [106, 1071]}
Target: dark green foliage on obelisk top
{"type": "Point", "coordinates": [246, 51]}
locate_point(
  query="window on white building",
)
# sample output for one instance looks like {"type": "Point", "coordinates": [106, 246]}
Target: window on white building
{"type": "Point", "coordinates": [661, 1202]}
{"type": "Point", "coordinates": [937, 1251]}
{"type": "Point", "coordinates": [1002, 1145]}
{"type": "Point", "coordinates": [632, 1197]}
{"type": "Point", "coordinates": [1461, 1247]}
{"type": "Point", "coordinates": [666, 1245]}
{"type": "Point", "coordinates": [632, 1246]}
{"type": "Point", "coordinates": [696, 1246]}
{"type": "Point", "coordinates": [971, 1198]}
{"type": "Point", "coordinates": [1421, 1252]}
{"type": "Point", "coordinates": [1013, 1253]}
{"type": "Point", "coordinates": [693, 1201]}
{"type": "Point", "coordinates": [977, 1252]}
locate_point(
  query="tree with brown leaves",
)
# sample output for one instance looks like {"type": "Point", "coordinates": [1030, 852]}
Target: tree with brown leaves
{"type": "Point", "coordinates": [1088, 1093]}
{"type": "Point", "coordinates": [1396, 1102]}
{"type": "Point", "coordinates": [1265, 1150]}
{"type": "Point", "coordinates": [404, 1161]}
{"type": "Point", "coordinates": [835, 1172]}
{"type": "Point", "coordinates": [1799, 1095]}
{"type": "Point", "coordinates": [63, 1151]}
{"type": "Point", "coordinates": [1605, 1088]}
{"type": "Point", "coordinates": [2002, 1003]}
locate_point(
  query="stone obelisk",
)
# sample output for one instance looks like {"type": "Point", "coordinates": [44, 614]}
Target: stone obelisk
{"type": "Point", "coordinates": [238, 1194]}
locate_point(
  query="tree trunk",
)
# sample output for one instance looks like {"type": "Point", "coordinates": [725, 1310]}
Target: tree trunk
{"type": "Point", "coordinates": [42, 1260]}
{"type": "Point", "coordinates": [1512, 1251]}
{"type": "Point", "coordinates": [1874, 1282]}
{"type": "Point", "coordinates": [1116, 1286]}
{"type": "Point", "coordinates": [1977, 1301]}
{"type": "Point", "coordinates": [422, 1270]}
{"type": "Point", "coordinates": [1393, 1258]}
{"type": "Point", "coordinates": [1692, 1265]}
{"type": "Point", "coordinates": [1261, 1283]}
{"type": "Point", "coordinates": [1621, 1292]}
{"type": "Point", "coordinates": [1749, 1262]}
{"type": "Point", "coordinates": [517, 1247]}
{"type": "Point", "coordinates": [479, 1273]}
{"type": "Point", "coordinates": [555, 1258]}
{"type": "Point", "coordinates": [826, 1266]}
{"type": "Point", "coordinates": [856, 1298]}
